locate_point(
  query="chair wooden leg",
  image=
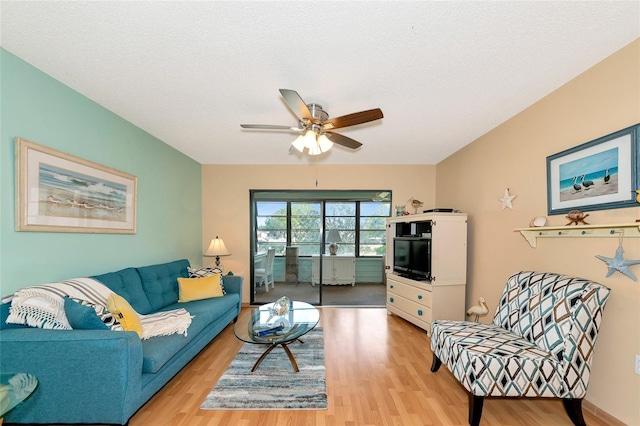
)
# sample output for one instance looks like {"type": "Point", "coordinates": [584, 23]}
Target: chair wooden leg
{"type": "Point", "coordinates": [475, 409]}
{"type": "Point", "coordinates": [435, 364]}
{"type": "Point", "coordinates": [573, 407]}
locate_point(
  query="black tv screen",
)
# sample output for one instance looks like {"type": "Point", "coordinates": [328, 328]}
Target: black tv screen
{"type": "Point", "coordinates": [401, 254]}
{"type": "Point", "coordinates": [412, 257]}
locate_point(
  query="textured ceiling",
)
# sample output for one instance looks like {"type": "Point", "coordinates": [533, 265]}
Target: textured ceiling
{"type": "Point", "coordinates": [443, 73]}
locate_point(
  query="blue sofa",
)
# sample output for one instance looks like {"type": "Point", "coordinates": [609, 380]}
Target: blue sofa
{"type": "Point", "coordinates": [104, 376]}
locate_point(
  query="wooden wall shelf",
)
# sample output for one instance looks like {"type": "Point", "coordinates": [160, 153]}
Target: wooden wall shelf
{"type": "Point", "coordinates": [580, 231]}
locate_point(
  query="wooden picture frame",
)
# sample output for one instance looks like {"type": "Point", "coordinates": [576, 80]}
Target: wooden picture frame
{"type": "Point", "coordinates": [58, 192]}
{"type": "Point", "coordinates": [598, 175]}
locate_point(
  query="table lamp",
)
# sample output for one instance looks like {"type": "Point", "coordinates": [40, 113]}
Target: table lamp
{"type": "Point", "coordinates": [217, 249]}
{"type": "Point", "coordinates": [333, 238]}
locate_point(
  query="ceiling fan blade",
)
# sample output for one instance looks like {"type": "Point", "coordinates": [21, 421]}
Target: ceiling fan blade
{"type": "Point", "coordinates": [270, 127]}
{"type": "Point", "coordinates": [296, 104]}
{"type": "Point", "coordinates": [343, 140]}
{"type": "Point", "coordinates": [353, 119]}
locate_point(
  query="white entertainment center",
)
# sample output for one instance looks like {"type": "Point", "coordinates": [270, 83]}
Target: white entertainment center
{"type": "Point", "coordinates": [440, 292]}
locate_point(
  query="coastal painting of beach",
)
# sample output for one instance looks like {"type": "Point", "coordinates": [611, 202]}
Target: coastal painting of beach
{"type": "Point", "coordinates": [64, 193]}
{"type": "Point", "coordinates": [596, 175]}
{"type": "Point", "coordinates": [58, 192]}
{"type": "Point", "coordinates": [590, 176]}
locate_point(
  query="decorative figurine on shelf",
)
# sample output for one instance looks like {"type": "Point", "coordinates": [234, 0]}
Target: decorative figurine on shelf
{"type": "Point", "coordinates": [576, 217]}
{"type": "Point", "coordinates": [479, 309]}
{"type": "Point", "coordinates": [416, 204]}
{"type": "Point", "coordinates": [538, 222]}
{"type": "Point", "coordinates": [400, 210]}
{"type": "Point", "coordinates": [507, 200]}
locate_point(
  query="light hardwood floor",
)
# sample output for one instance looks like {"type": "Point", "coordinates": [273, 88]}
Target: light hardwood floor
{"type": "Point", "coordinates": [378, 373]}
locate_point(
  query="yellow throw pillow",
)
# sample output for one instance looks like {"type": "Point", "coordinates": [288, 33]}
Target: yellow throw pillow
{"type": "Point", "coordinates": [199, 288]}
{"type": "Point", "coordinates": [123, 311]}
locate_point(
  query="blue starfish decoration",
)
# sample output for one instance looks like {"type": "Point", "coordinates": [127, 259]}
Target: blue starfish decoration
{"type": "Point", "coordinates": [617, 263]}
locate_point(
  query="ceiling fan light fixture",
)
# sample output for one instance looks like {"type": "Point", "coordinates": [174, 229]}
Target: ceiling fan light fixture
{"type": "Point", "coordinates": [315, 150]}
{"type": "Point", "coordinates": [324, 143]}
{"type": "Point", "coordinates": [298, 143]}
{"type": "Point", "coordinates": [309, 139]}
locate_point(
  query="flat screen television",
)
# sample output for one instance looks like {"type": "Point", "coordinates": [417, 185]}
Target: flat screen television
{"type": "Point", "coordinates": [412, 257]}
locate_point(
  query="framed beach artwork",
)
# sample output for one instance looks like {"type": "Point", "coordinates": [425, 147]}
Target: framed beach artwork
{"type": "Point", "coordinates": [597, 175]}
{"type": "Point", "coordinates": [58, 192]}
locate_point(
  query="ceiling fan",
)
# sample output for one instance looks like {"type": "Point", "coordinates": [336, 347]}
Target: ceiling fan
{"type": "Point", "coordinates": [315, 126]}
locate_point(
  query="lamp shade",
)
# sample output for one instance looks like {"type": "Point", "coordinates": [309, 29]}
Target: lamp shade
{"type": "Point", "coordinates": [315, 150]}
{"type": "Point", "coordinates": [309, 139]}
{"type": "Point", "coordinates": [299, 143]}
{"type": "Point", "coordinates": [334, 236]}
{"type": "Point", "coordinates": [217, 248]}
{"type": "Point", "coordinates": [324, 143]}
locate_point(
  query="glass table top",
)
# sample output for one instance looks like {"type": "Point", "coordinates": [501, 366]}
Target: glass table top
{"type": "Point", "coordinates": [263, 327]}
{"type": "Point", "coordinates": [14, 389]}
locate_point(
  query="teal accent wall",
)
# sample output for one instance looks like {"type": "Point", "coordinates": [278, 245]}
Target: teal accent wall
{"type": "Point", "coordinates": [37, 107]}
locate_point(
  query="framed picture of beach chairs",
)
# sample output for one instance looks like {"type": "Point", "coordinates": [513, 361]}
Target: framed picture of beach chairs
{"type": "Point", "coordinates": [598, 175]}
{"type": "Point", "coordinates": [58, 192]}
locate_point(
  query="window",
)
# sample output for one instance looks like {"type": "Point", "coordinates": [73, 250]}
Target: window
{"type": "Point", "coordinates": [341, 216]}
{"type": "Point", "coordinates": [372, 228]}
{"type": "Point", "coordinates": [305, 227]}
{"type": "Point", "coordinates": [297, 217]}
{"type": "Point", "coordinates": [271, 226]}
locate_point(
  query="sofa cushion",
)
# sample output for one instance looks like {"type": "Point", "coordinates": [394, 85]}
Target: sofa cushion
{"type": "Point", "coordinates": [123, 311]}
{"type": "Point", "coordinates": [199, 288]}
{"type": "Point", "coordinates": [160, 282]}
{"type": "Point", "coordinates": [210, 309]}
{"type": "Point", "coordinates": [202, 272]}
{"type": "Point", "coordinates": [206, 272]}
{"type": "Point", "coordinates": [82, 317]}
{"type": "Point", "coordinates": [101, 311]}
{"type": "Point", "coordinates": [127, 284]}
{"type": "Point", "coordinates": [158, 350]}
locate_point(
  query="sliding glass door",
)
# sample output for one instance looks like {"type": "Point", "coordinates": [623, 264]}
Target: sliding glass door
{"type": "Point", "coordinates": [315, 246]}
{"type": "Point", "coordinates": [292, 231]}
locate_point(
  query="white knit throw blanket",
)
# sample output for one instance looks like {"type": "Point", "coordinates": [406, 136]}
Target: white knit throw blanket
{"type": "Point", "coordinates": [43, 306]}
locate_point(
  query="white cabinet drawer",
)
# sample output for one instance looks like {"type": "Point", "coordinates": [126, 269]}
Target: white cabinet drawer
{"type": "Point", "coordinates": [420, 323]}
{"type": "Point", "coordinates": [409, 292]}
{"type": "Point", "coordinates": [414, 309]}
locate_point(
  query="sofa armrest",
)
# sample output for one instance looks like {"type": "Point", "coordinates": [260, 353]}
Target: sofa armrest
{"type": "Point", "coordinates": [233, 284]}
{"type": "Point", "coordinates": [101, 368]}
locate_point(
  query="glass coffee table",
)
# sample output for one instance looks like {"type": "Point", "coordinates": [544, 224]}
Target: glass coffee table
{"type": "Point", "coordinates": [261, 327]}
{"type": "Point", "coordinates": [14, 390]}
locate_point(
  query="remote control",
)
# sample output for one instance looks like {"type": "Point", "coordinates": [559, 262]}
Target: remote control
{"type": "Point", "coordinates": [268, 331]}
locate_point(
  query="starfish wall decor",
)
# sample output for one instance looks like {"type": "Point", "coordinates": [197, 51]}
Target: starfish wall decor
{"type": "Point", "coordinates": [507, 200]}
{"type": "Point", "coordinates": [617, 263]}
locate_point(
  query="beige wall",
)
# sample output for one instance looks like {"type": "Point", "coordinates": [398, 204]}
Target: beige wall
{"type": "Point", "coordinates": [602, 100]}
{"type": "Point", "coordinates": [225, 196]}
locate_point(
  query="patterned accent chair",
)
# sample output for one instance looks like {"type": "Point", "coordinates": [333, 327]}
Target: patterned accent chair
{"type": "Point", "coordinates": [540, 343]}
